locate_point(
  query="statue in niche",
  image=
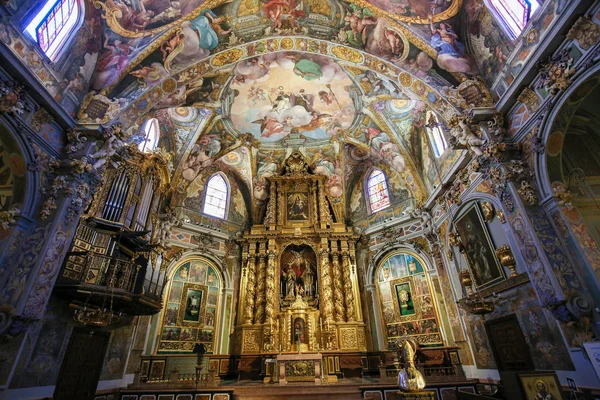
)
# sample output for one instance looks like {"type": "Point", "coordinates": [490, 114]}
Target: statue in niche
{"type": "Point", "coordinates": [308, 278]}
{"type": "Point", "coordinates": [298, 273]}
{"type": "Point", "coordinates": [290, 283]}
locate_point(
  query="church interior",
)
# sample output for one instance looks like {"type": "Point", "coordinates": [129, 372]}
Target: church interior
{"type": "Point", "coordinates": [298, 199]}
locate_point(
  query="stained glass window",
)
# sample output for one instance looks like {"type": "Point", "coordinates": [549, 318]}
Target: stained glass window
{"type": "Point", "coordinates": [435, 134]}
{"type": "Point", "coordinates": [151, 136]}
{"type": "Point", "coordinates": [53, 24]}
{"type": "Point", "coordinates": [378, 191]}
{"type": "Point", "coordinates": [514, 14]}
{"type": "Point", "coordinates": [215, 202]}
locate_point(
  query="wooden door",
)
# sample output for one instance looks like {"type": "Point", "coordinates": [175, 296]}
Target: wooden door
{"type": "Point", "coordinates": [81, 367]}
{"type": "Point", "coordinates": [508, 344]}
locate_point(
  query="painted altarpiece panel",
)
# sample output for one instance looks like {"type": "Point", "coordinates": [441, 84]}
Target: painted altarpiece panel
{"type": "Point", "coordinates": [190, 315]}
{"type": "Point", "coordinates": [407, 302]}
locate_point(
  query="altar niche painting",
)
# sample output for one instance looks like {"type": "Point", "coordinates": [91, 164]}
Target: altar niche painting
{"type": "Point", "coordinates": [407, 303]}
{"type": "Point", "coordinates": [297, 207]}
{"type": "Point", "coordinates": [192, 308]}
{"type": "Point", "coordinates": [405, 299]}
{"type": "Point", "coordinates": [193, 301]}
{"type": "Point", "coordinates": [298, 273]}
{"type": "Point", "coordinates": [478, 248]}
{"type": "Point", "coordinates": [300, 336]}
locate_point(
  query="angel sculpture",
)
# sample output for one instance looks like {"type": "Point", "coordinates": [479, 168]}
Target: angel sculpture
{"type": "Point", "coordinates": [165, 226]}
{"type": "Point", "coordinates": [462, 132]}
{"type": "Point", "coordinates": [111, 145]}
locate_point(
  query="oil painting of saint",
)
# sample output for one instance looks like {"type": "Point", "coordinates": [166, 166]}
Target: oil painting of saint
{"type": "Point", "coordinates": [297, 207]}
{"type": "Point", "coordinates": [192, 307]}
{"type": "Point", "coordinates": [478, 248]}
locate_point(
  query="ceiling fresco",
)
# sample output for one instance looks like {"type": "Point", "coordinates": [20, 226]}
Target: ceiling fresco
{"type": "Point", "coordinates": [291, 96]}
{"type": "Point", "coordinates": [237, 85]}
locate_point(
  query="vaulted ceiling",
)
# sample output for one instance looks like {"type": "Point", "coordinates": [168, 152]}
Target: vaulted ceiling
{"type": "Point", "coordinates": [238, 85]}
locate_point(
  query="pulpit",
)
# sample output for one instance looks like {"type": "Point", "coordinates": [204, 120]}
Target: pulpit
{"type": "Point", "coordinates": [302, 367]}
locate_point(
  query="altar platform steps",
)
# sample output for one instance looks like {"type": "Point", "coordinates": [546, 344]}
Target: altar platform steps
{"type": "Point", "coordinates": [298, 391]}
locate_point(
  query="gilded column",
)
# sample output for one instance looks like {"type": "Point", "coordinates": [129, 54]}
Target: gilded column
{"type": "Point", "coordinates": [338, 285]}
{"type": "Point", "coordinates": [270, 289]}
{"type": "Point", "coordinates": [349, 294]}
{"type": "Point", "coordinates": [259, 304]}
{"type": "Point", "coordinates": [243, 285]}
{"type": "Point", "coordinates": [326, 286]}
{"type": "Point", "coordinates": [250, 289]}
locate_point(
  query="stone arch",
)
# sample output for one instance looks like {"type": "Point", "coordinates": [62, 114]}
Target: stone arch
{"type": "Point", "coordinates": [212, 307]}
{"type": "Point", "coordinates": [17, 155]}
{"type": "Point", "coordinates": [560, 189]}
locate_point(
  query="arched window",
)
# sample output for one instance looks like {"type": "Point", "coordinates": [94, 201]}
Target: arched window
{"type": "Point", "coordinates": [151, 136]}
{"type": "Point", "coordinates": [513, 14]}
{"type": "Point", "coordinates": [377, 191]}
{"type": "Point", "coordinates": [435, 134]}
{"type": "Point", "coordinates": [215, 201]}
{"type": "Point", "coordinates": [53, 24]}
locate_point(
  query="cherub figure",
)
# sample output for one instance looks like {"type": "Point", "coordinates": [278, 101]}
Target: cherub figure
{"type": "Point", "coordinates": [462, 132]}
{"type": "Point", "coordinates": [113, 143]}
{"type": "Point", "coordinates": [165, 226]}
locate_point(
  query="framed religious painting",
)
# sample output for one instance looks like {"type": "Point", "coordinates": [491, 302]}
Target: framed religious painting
{"type": "Point", "coordinates": [297, 207]}
{"type": "Point", "coordinates": [193, 304]}
{"type": "Point", "coordinates": [405, 306]}
{"type": "Point", "coordinates": [478, 248]}
{"type": "Point", "coordinates": [540, 385]}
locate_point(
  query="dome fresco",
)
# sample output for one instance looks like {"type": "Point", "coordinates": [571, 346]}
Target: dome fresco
{"type": "Point", "coordinates": [283, 94]}
{"type": "Point", "coordinates": [238, 85]}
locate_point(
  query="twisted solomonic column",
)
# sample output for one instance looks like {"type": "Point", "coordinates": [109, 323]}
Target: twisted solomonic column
{"type": "Point", "coordinates": [326, 286]}
{"type": "Point", "coordinates": [259, 304]}
{"type": "Point", "coordinates": [270, 286]}
{"type": "Point", "coordinates": [250, 290]}
{"type": "Point", "coordinates": [348, 292]}
{"type": "Point", "coordinates": [338, 287]}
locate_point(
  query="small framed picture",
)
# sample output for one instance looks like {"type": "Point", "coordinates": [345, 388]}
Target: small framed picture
{"type": "Point", "coordinates": [540, 385]}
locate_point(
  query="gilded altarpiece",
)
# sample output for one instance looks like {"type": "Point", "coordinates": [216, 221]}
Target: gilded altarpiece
{"type": "Point", "coordinates": [299, 288]}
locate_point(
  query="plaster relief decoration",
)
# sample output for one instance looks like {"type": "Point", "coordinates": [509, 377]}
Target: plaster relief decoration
{"type": "Point", "coordinates": [407, 302]}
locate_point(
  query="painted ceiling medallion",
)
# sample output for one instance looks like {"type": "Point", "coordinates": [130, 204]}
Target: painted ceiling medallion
{"type": "Point", "coordinates": [291, 96]}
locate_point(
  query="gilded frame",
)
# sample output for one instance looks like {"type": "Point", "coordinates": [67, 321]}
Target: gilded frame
{"type": "Point", "coordinates": [289, 195]}
{"type": "Point", "coordinates": [181, 321]}
{"type": "Point", "coordinates": [488, 242]}
{"type": "Point", "coordinates": [416, 302]}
